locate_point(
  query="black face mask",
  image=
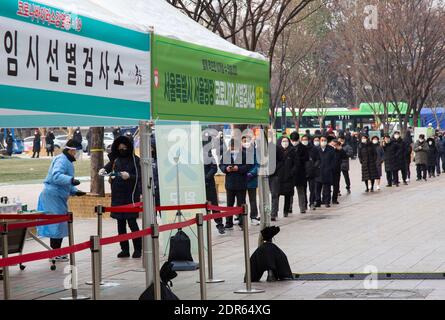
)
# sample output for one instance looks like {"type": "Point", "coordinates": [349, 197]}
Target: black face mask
{"type": "Point", "coordinates": [123, 153]}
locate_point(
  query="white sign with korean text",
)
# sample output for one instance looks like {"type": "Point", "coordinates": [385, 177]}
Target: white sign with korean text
{"type": "Point", "coordinates": [37, 57]}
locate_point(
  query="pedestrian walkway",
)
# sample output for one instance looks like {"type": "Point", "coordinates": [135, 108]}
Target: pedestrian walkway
{"type": "Point", "coordinates": [395, 230]}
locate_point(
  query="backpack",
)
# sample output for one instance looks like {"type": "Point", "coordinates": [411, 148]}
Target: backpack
{"type": "Point", "coordinates": [180, 248]}
{"type": "Point", "coordinates": [167, 274]}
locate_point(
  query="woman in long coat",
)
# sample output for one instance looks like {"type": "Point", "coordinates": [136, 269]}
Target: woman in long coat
{"type": "Point", "coordinates": [126, 188]}
{"type": "Point", "coordinates": [421, 157]}
{"type": "Point", "coordinates": [36, 144]}
{"type": "Point", "coordinates": [432, 157]}
{"type": "Point", "coordinates": [59, 185]}
{"type": "Point", "coordinates": [380, 155]}
{"type": "Point", "coordinates": [49, 140]}
{"type": "Point", "coordinates": [368, 160]}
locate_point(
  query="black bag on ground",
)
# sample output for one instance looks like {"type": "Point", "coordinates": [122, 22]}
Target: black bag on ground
{"type": "Point", "coordinates": [180, 248]}
{"type": "Point", "coordinates": [167, 274]}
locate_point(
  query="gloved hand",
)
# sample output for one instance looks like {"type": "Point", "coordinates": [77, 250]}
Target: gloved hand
{"type": "Point", "coordinates": [125, 175]}
{"type": "Point", "coordinates": [102, 172]}
{"type": "Point", "coordinates": [75, 182]}
{"type": "Point", "coordinates": [80, 193]}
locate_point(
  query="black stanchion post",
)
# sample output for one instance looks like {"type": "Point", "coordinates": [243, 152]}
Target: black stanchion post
{"type": "Point", "coordinates": [248, 276]}
{"type": "Point", "coordinates": [74, 282]}
{"type": "Point", "coordinates": [95, 266]}
{"type": "Point", "coordinates": [210, 249]}
{"type": "Point", "coordinates": [6, 283]}
{"type": "Point", "coordinates": [202, 270]}
{"type": "Point", "coordinates": [155, 258]}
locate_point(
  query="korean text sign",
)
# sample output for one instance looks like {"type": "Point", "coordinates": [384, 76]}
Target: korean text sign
{"type": "Point", "coordinates": [195, 83]}
{"type": "Point", "coordinates": [57, 61]}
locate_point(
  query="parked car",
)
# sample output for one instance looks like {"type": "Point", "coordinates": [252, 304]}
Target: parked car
{"type": "Point", "coordinates": [28, 143]}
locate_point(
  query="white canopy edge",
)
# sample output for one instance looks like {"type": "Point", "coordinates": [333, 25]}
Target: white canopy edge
{"type": "Point", "coordinates": [141, 15]}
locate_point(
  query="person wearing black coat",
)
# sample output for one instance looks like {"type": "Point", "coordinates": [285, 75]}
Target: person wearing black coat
{"type": "Point", "coordinates": [301, 158]}
{"type": "Point", "coordinates": [325, 176]}
{"type": "Point", "coordinates": [354, 145]}
{"type": "Point", "coordinates": [210, 169]}
{"type": "Point", "coordinates": [281, 182]}
{"type": "Point", "coordinates": [235, 166]}
{"type": "Point", "coordinates": [49, 141]}
{"type": "Point", "coordinates": [312, 168]}
{"type": "Point", "coordinates": [400, 159]}
{"type": "Point", "coordinates": [126, 188]}
{"type": "Point", "coordinates": [432, 157]}
{"type": "Point", "coordinates": [9, 144]}
{"type": "Point", "coordinates": [389, 158]}
{"type": "Point", "coordinates": [368, 160]}
{"type": "Point", "coordinates": [36, 144]}
{"type": "Point", "coordinates": [340, 156]}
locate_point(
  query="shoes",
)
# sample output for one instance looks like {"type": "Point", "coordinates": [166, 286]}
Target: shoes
{"type": "Point", "coordinates": [378, 188]}
{"type": "Point", "coordinates": [372, 189]}
{"type": "Point", "coordinates": [302, 211]}
{"type": "Point", "coordinates": [335, 202]}
{"type": "Point", "coordinates": [317, 205]}
{"type": "Point", "coordinates": [240, 226]}
{"type": "Point", "coordinates": [348, 190]}
{"type": "Point", "coordinates": [389, 185]}
{"type": "Point", "coordinates": [328, 205]}
{"type": "Point", "coordinates": [235, 220]}
{"type": "Point", "coordinates": [228, 226]}
{"type": "Point", "coordinates": [285, 214]}
{"type": "Point", "coordinates": [418, 179]}
{"type": "Point", "coordinates": [63, 258]}
{"type": "Point", "coordinates": [425, 179]}
{"type": "Point", "coordinates": [290, 211]}
{"type": "Point", "coordinates": [137, 254]}
{"type": "Point", "coordinates": [123, 254]}
{"type": "Point", "coordinates": [405, 183]}
{"type": "Point", "coordinates": [255, 221]}
{"type": "Point", "coordinates": [221, 229]}
{"type": "Point", "coordinates": [312, 207]}
{"type": "Point", "coordinates": [397, 184]}
{"type": "Point", "coordinates": [367, 190]}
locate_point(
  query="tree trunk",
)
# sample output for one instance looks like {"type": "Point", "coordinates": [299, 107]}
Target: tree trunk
{"type": "Point", "coordinates": [415, 119]}
{"type": "Point", "coordinates": [97, 160]}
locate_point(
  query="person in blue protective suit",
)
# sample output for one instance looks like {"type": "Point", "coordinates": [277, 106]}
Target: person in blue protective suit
{"type": "Point", "coordinates": [59, 185]}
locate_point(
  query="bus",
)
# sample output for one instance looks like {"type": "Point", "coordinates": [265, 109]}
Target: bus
{"type": "Point", "coordinates": [342, 118]}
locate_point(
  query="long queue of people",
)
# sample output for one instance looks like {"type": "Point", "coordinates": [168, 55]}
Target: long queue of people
{"type": "Point", "coordinates": [313, 166]}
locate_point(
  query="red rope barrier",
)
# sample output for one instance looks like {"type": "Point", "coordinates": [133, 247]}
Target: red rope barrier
{"type": "Point", "coordinates": [178, 225]}
{"type": "Point", "coordinates": [235, 210]}
{"type": "Point", "coordinates": [125, 237]}
{"type": "Point", "coordinates": [22, 225]}
{"type": "Point", "coordinates": [48, 254]}
{"type": "Point", "coordinates": [10, 261]}
{"type": "Point", "coordinates": [181, 207]}
{"type": "Point", "coordinates": [19, 216]}
{"type": "Point", "coordinates": [218, 215]}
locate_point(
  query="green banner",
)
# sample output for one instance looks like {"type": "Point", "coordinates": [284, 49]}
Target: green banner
{"type": "Point", "coordinates": [195, 83]}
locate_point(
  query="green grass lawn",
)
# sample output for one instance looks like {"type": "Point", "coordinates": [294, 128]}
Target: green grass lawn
{"type": "Point", "coordinates": [33, 170]}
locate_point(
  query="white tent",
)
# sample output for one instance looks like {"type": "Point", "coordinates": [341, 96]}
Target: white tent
{"type": "Point", "coordinates": [138, 15]}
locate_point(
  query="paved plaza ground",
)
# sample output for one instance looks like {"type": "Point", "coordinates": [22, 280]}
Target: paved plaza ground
{"type": "Point", "coordinates": [394, 230]}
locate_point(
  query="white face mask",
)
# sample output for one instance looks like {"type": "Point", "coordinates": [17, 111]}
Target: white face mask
{"type": "Point", "coordinates": [294, 143]}
{"type": "Point", "coordinates": [421, 140]}
{"type": "Point", "coordinates": [316, 143]}
{"type": "Point", "coordinates": [323, 144]}
{"type": "Point", "coordinates": [305, 143]}
{"type": "Point", "coordinates": [430, 143]}
{"type": "Point", "coordinates": [285, 144]}
{"type": "Point", "coordinates": [246, 145]}
{"type": "Point", "coordinates": [397, 136]}
{"type": "Point", "coordinates": [364, 140]}
{"type": "Point", "coordinates": [375, 141]}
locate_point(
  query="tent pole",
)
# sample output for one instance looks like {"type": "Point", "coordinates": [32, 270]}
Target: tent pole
{"type": "Point", "coordinates": [148, 216]}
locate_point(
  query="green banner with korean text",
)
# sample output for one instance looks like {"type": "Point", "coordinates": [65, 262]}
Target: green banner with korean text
{"type": "Point", "coordinates": [61, 62]}
{"type": "Point", "coordinates": [195, 83]}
